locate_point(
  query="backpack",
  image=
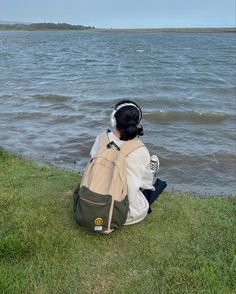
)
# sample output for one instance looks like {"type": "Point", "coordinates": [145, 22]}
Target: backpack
{"type": "Point", "coordinates": [101, 201]}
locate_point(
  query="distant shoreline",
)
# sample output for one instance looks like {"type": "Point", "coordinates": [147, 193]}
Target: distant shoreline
{"type": "Point", "coordinates": [65, 26]}
{"type": "Point", "coordinates": [167, 30]}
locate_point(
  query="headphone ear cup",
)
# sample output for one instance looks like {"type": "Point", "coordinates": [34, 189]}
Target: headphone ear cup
{"type": "Point", "coordinates": [140, 129]}
{"type": "Point", "coordinates": [113, 119]}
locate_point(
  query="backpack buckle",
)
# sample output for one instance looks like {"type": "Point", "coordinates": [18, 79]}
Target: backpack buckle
{"type": "Point", "coordinates": [112, 143]}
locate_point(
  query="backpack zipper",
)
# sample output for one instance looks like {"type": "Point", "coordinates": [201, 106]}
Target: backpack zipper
{"type": "Point", "coordinates": [92, 202]}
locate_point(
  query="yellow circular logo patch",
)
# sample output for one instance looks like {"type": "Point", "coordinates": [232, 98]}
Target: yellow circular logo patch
{"type": "Point", "coordinates": [98, 221]}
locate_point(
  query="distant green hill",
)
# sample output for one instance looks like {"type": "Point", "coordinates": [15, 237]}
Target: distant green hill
{"type": "Point", "coordinates": [66, 26]}
{"type": "Point", "coordinates": [43, 26]}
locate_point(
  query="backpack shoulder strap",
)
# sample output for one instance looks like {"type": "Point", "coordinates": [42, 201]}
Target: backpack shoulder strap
{"type": "Point", "coordinates": [129, 146]}
{"type": "Point", "coordinates": [103, 140]}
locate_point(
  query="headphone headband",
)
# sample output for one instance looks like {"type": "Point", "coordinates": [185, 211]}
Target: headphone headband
{"type": "Point", "coordinates": [126, 104]}
{"type": "Point", "coordinates": [113, 119]}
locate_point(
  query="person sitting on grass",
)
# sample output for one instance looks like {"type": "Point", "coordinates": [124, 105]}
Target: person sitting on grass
{"type": "Point", "coordinates": [143, 185]}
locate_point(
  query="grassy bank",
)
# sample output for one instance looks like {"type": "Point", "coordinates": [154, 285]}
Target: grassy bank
{"type": "Point", "coordinates": [187, 245]}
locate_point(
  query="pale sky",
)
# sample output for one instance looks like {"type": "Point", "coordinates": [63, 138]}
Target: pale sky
{"type": "Point", "coordinates": [123, 13]}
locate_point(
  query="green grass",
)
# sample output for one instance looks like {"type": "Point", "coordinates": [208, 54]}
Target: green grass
{"type": "Point", "coordinates": [187, 245]}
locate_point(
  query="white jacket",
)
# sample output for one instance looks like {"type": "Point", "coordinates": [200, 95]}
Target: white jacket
{"type": "Point", "coordinates": [139, 175]}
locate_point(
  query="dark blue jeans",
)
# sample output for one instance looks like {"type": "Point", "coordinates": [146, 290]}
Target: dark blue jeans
{"type": "Point", "coordinates": [151, 196]}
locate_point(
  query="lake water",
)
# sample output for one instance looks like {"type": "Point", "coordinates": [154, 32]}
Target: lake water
{"type": "Point", "coordinates": [59, 88]}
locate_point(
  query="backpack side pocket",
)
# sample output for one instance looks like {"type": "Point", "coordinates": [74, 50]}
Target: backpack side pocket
{"type": "Point", "coordinates": [120, 212]}
{"type": "Point", "coordinates": [75, 197]}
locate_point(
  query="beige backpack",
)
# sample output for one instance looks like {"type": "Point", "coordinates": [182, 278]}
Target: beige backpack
{"type": "Point", "coordinates": [101, 202]}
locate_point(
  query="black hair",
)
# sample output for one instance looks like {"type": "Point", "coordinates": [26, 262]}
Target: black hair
{"type": "Point", "coordinates": [128, 120]}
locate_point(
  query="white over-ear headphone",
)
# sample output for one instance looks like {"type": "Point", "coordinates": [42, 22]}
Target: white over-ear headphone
{"type": "Point", "coordinates": [113, 119]}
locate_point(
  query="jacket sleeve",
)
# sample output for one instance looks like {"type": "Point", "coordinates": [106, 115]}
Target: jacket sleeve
{"type": "Point", "coordinates": [139, 171]}
{"type": "Point", "coordinates": [95, 147]}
